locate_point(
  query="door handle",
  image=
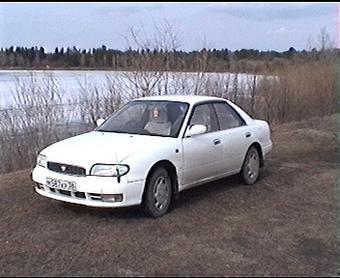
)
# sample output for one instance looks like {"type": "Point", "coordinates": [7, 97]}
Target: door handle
{"type": "Point", "coordinates": [217, 141]}
{"type": "Point", "coordinates": [248, 134]}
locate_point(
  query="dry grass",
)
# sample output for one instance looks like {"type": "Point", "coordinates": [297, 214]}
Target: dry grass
{"type": "Point", "coordinates": [40, 117]}
{"type": "Point", "coordinates": [283, 225]}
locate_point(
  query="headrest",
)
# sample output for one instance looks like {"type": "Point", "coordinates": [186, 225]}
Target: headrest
{"type": "Point", "coordinates": [158, 115]}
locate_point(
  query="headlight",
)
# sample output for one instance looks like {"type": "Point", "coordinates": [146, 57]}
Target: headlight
{"type": "Point", "coordinates": [42, 160]}
{"type": "Point", "coordinates": [104, 170]}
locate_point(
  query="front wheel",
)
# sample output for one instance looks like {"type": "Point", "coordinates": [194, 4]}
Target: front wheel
{"type": "Point", "coordinates": [158, 193]}
{"type": "Point", "coordinates": [251, 166]}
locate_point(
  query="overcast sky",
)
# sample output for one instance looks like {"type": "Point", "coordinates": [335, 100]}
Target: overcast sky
{"type": "Point", "coordinates": [227, 25]}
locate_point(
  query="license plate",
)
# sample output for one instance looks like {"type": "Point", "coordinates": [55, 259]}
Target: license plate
{"type": "Point", "coordinates": [61, 184]}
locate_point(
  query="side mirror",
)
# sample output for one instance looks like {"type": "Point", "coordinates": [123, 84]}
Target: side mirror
{"type": "Point", "coordinates": [195, 130]}
{"type": "Point", "coordinates": [100, 121]}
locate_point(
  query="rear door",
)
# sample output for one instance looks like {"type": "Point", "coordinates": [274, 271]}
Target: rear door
{"type": "Point", "coordinates": [235, 134]}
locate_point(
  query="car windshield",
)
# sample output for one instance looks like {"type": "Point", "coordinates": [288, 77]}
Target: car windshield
{"type": "Point", "coordinates": [160, 118]}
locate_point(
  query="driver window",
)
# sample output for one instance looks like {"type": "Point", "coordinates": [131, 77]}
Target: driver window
{"type": "Point", "coordinates": [203, 115]}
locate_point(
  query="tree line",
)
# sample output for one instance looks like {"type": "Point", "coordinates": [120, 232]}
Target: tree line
{"type": "Point", "coordinates": [209, 60]}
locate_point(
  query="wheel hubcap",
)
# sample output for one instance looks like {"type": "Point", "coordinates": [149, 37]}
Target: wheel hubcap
{"type": "Point", "coordinates": [253, 166]}
{"type": "Point", "coordinates": [161, 192]}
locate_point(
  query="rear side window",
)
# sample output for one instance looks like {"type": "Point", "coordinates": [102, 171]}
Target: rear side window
{"type": "Point", "coordinates": [227, 116]}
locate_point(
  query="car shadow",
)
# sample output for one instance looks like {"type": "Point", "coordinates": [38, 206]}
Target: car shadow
{"type": "Point", "coordinates": [205, 191]}
{"type": "Point", "coordinates": [134, 212]}
{"type": "Point", "coordinates": [186, 199]}
{"type": "Point", "coordinates": [190, 197]}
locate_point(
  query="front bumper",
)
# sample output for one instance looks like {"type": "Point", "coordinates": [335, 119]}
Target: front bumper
{"type": "Point", "coordinates": [89, 189]}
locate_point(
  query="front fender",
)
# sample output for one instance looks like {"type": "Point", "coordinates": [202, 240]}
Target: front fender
{"type": "Point", "coordinates": [141, 163]}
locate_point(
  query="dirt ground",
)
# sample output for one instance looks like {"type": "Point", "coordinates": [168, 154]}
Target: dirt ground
{"type": "Point", "coordinates": [283, 225]}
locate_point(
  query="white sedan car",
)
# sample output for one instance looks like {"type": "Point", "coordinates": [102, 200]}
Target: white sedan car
{"type": "Point", "coordinates": [150, 150]}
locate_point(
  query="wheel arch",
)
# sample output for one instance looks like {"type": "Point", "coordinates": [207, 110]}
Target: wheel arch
{"type": "Point", "coordinates": [259, 149]}
{"type": "Point", "coordinates": [171, 168]}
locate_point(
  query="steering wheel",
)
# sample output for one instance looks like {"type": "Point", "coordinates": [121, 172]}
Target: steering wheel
{"type": "Point", "coordinates": [135, 126]}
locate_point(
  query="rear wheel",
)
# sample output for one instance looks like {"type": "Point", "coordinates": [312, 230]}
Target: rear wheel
{"type": "Point", "coordinates": [158, 193]}
{"type": "Point", "coordinates": [251, 166]}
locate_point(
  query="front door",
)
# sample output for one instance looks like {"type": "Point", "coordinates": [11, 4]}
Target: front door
{"type": "Point", "coordinates": [203, 153]}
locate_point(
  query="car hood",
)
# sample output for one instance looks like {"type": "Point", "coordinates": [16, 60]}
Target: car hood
{"type": "Point", "coordinates": [100, 147]}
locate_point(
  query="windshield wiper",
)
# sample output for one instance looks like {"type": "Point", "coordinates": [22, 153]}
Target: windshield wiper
{"type": "Point", "coordinates": [134, 133]}
{"type": "Point", "coordinates": [112, 131]}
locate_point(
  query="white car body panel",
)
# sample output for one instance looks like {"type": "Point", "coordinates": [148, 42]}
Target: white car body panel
{"type": "Point", "coordinates": [196, 159]}
{"type": "Point", "coordinates": [202, 158]}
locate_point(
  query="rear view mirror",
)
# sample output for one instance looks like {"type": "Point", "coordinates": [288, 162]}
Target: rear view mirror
{"type": "Point", "coordinates": [196, 130]}
{"type": "Point", "coordinates": [99, 122]}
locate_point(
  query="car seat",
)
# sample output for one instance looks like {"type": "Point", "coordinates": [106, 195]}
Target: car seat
{"type": "Point", "coordinates": [158, 122]}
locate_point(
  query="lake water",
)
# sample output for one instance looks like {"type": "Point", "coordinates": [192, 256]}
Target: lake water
{"type": "Point", "coordinates": [67, 82]}
{"type": "Point", "coordinates": [70, 84]}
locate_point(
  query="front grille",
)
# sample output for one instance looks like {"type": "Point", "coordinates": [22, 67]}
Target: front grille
{"type": "Point", "coordinates": [64, 192]}
{"type": "Point", "coordinates": [80, 194]}
{"type": "Point", "coordinates": [85, 196]}
{"type": "Point", "coordinates": [77, 194]}
{"type": "Point", "coordinates": [66, 169]}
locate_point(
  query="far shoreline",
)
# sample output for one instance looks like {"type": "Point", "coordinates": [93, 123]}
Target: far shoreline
{"type": "Point", "coordinates": [43, 69]}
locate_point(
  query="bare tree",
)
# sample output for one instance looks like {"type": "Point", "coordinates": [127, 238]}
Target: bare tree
{"type": "Point", "coordinates": [322, 42]}
{"type": "Point", "coordinates": [148, 75]}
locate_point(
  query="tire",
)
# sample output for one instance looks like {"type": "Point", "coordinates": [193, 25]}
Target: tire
{"type": "Point", "coordinates": [251, 167]}
{"type": "Point", "coordinates": [158, 193]}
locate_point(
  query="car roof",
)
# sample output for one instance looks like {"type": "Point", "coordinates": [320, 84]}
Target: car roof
{"type": "Point", "coordinates": [191, 99]}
